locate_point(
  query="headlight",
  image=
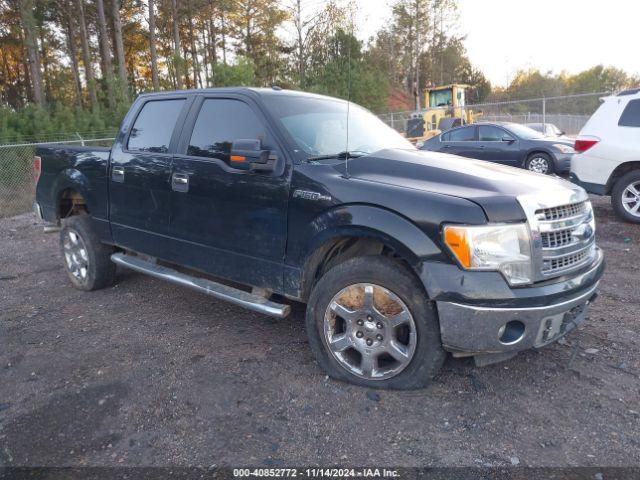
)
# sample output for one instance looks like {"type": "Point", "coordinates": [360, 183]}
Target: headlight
{"type": "Point", "coordinates": [563, 148]}
{"type": "Point", "coordinates": [503, 248]}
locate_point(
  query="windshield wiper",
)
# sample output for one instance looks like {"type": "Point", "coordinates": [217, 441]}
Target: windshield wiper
{"type": "Point", "coordinates": [340, 156]}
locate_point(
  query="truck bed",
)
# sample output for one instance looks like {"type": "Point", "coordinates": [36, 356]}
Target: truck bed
{"type": "Point", "coordinates": [85, 168]}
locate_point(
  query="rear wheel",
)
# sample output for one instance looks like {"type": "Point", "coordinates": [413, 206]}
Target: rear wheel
{"type": "Point", "coordinates": [540, 163]}
{"type": "Point", "coordinates": [86, 259]}
{"type": "Point", "coordinates": [369, 323]}
{"type": "Point", "coordinates": [625, 196]}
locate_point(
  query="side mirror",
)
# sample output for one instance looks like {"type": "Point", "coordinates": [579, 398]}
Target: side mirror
{"type": "Point", "coordinates": [247, 154]}
{"type": "Point", "coordinates": [508, 139]}
{"type": "Point", "coordinates": [562, 133]}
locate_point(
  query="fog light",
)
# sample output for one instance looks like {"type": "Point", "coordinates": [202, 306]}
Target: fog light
{"type": "Point", "coordinates": [511, 332]}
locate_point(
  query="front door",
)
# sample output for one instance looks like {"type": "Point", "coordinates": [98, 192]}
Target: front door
{"type": "Point", "coordinates": [139, 174]}
{"type": "Point", "coordinates": [498, 145]}
{"type": "Point", "coordinates": [228, 220]}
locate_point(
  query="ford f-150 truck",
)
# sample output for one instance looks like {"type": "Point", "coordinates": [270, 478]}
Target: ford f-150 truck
{"type": "Point", "coordinates": [257, 196]}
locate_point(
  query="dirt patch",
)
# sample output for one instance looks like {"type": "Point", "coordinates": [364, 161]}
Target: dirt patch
{"type": "Point", "coordinates": [187, 380]}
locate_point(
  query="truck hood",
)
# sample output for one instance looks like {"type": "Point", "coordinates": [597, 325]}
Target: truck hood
{"type": "Point", "coordinates": [494, 187]}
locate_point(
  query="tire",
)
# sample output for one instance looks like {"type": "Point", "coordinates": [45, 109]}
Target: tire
{"type": "Point", "coordinates": [536, 163]}
{"type": "Point", "coordinates": [396, 287]}
{"type": "Point", "coordinates": [625, 203]}
{"type": "Point", "coordinates": [86, 260]}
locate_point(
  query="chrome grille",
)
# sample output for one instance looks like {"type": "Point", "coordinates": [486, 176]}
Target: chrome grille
{"type": "Point", "coordinates": [562, 212]}
{"type": "Point", "coordinates": [557, 239]}
{"type": "Point", "coordinates": [562, 229]}
{"type": "Point", "coordinates": [564, 262]}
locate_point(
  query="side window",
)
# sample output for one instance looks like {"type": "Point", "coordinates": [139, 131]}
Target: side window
{"type": "Point", "coordinates": [154, 126]}
{"type": "Point", "coordinates": [466, 134]}
{"type": "Point", "coordinates": [631, 115]}
{"type": "Point", "coordinates": [219, 123]}
{"type": "Point", "coordinates": [489, 133]}
{"type": "Point", "coordinates": [446, 137]}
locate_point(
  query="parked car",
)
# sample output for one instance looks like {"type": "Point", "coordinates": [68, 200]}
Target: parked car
{"type": "Point", "coordinates": [400, 255]}
{"type": "Point", "coordinates": [507, 143]}
{"type": "Point", "coordinates": [548, 130]}
{"type": "Point", "coordinates": [608, 159]}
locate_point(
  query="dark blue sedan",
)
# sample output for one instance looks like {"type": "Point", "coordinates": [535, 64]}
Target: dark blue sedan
{"type": "Point", "coordinates": [506, 143]}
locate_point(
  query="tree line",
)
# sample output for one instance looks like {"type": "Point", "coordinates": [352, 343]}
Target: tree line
{"type": "Point", "coordinates": [75, 65]}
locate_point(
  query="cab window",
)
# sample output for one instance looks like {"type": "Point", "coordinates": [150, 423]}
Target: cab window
{"type": "Point", "coordinates": [152, 130]}
{"type": "Point", "coordinates": [219, 123]}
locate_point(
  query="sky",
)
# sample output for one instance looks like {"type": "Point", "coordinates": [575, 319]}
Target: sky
{"type": "Point", "coordinates": [504, 36]}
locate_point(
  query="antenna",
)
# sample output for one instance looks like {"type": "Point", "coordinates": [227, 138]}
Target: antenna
{"type": "Point", "coordinates": [346, 159]}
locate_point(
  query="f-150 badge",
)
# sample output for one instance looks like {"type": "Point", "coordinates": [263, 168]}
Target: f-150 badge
{"type": "Point", "coordinates": [308, 195]}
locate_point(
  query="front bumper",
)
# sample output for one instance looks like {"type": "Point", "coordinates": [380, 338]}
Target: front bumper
{"type": "Point", "coordinates": [563, 162]}
{"type": "Point", "coordinates": [472, 329]}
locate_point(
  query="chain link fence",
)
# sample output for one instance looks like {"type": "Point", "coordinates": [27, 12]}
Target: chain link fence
{"type": "Point", "coordinates": [569, 113]}
{"type": "Point", "coordinates": [17, 185]}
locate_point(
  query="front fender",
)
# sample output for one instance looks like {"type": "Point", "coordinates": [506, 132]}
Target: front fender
{"type": "Point", "coordinates": [393, 230]}
{"type": "Point", "coordinates": [369, 221]}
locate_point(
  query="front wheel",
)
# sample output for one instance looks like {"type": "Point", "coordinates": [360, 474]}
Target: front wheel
{"type": "Point", "coordinates": [369, 323]}
{"type": "Point", "coordinates": [625, 196]}
{"type": "Point", "coordinates": [540, 163]}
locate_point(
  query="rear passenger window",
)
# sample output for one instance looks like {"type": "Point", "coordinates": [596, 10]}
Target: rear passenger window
{"type": "Point", "coordinates": [219, 123]}
{"type": "Point", "coordinates": [154, 126]}
{"type": "Point", "coordinates": [631, 115]}
{"type": "Point", "coordinates": [466, 134]}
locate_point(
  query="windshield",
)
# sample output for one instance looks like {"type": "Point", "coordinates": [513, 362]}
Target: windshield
{"type": "Point", "coordinates": [441, 98]}
{"type": "Point", "coordinates": [318, 126]}
{"type": "Point", "coordinates": [524, 132]}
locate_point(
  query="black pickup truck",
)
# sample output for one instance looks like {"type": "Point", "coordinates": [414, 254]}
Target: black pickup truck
{"type": "Point", "coordinates": [260, 196]}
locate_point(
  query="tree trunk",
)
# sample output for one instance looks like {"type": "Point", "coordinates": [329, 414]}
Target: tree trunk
{"type": "Point", "coordinates": [119, 44]}
{"type": "Point", "coordinates": [105, 50]}
{"type": "Point", "coordinates": [152, 47]}
{"type": "Point", "coordinates": [176, 44]}
{"type": "Point", "coordinates": [73, 54]}
{"type": "Point", "coordinates": [31, 43]}
{"type": "Point", "coordinates": [86, 57]}
{"type": "Point", "coordinates": [197, 80]}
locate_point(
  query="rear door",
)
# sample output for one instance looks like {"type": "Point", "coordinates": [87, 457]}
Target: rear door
{"type": "Point", "coordinates": [139, 174]}
{"type": "Point", "coordinates": [461, 141]}
{"type": "Point", "coordinates": [226, 219]}
{"type": "Point", "coordinates": [498, 145]}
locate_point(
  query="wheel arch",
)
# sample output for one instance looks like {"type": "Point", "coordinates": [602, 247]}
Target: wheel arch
{"type": "Point", "coordinates": [368, 231]}
{"type": "Point", "coordinates": [620, 171]}
{"type": "Point", "coordinates": [72, 193]}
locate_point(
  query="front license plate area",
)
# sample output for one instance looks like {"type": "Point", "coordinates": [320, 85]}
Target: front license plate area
{"type": "Point", "coordinates": [556, 326]}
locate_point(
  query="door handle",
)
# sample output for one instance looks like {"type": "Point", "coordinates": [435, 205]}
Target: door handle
{"type": "Point", "coordinates": [117, 174]}
{"type": "Point", "coordinates": [180, 182]}
{"type": "Point", "coordinates": [447, 146]}
{"type": "Point", "coordinates": [482, 147]}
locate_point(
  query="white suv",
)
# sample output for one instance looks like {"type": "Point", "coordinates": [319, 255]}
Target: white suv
{"type": "Point", "coordinates": [608, 159]}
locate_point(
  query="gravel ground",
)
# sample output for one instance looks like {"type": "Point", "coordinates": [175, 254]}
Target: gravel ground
{"type": "Point", "coordinates": [146, 373]}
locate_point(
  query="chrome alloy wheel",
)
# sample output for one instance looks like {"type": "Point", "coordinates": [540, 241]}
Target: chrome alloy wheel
{"type": "Point", "coordinates": [76, 255]}
{"type": "Point", "coordinates": [539, 165]}
{"type": "Point", "coordinates": [370, 331]}
{"type": "Point", "coordinates": [631, 199]}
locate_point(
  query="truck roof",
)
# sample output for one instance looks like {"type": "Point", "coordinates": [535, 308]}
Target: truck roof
{"type": "Point", "coordinates": [253, 91]}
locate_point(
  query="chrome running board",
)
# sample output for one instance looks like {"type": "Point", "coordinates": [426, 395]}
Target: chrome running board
{"type": "Point", "coordinates": [238, 297]}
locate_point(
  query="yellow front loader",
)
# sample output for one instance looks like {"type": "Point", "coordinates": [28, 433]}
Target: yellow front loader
{"type": "Point", "coordinates": [445, 108]}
